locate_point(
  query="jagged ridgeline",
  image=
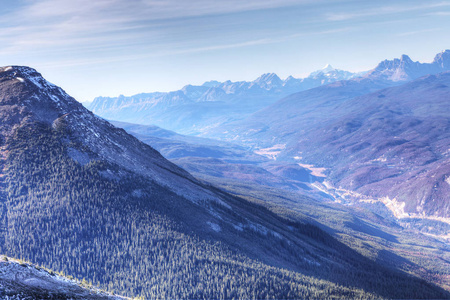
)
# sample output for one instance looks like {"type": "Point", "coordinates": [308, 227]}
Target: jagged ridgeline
{"type": "Point", "coordinates": [84, 198]}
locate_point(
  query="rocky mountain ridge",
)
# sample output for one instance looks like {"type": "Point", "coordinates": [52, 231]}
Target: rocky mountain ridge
{"type": "Point", "coordinates": [405, 69]}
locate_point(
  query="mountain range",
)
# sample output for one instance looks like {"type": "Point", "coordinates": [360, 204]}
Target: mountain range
{"type": "Point", "coordinates": [404, 69]}
{"type": "Point", "coordinates": [195, 109]}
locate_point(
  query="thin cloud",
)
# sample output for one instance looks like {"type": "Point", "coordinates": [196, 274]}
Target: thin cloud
{"type": "Point", "coordinates": [131, 57]}
{"type": "Point", "coordinates": [184, 49]}
{"type": "Point", "coordinates": [65, 23]}
{"type": "Point", "coordinates": [68, 26]}
{"type": "Point", "coordinates": [126, 10]}
{"type": "Point", "coordinates": [387, 10]}
{"type": "Point", "coordinates": [418, 32]}
{"type": "Point", "coordinates": [439, 13]}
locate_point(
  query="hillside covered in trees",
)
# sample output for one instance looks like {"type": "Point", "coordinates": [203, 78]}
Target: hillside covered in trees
{"type": "Point", "coordinates": [84, 198]}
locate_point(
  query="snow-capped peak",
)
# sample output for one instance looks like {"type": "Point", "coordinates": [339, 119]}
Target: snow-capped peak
{"type": "Point", "coordinates": [443, 59]}
{"type": "Point", "coordinates": [327, 68]}
{"type": "Point", "coordinates": [328, 72]}
{"type": "Point", "coordinates": [22, 73]}
{"type": "Point", "coordinates": [211, 83]}
{"type": "Point", "coordinates": [46, 99]}
{"type": "Point", "coordinates": [405, 69]}
{"type": "Point", "coordinates": [405, 58]}
{"type": "Point", "coordinates": [267, 77]}
{"type": "Point", "coordinates": [268, 80]}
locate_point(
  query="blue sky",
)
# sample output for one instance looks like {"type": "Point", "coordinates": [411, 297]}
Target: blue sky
{"type": "Point", "coordinates": [111, 47]}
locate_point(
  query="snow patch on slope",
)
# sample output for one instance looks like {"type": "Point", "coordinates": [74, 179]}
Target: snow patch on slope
{"type": "Point", "coordinates": [271, 152]}
{"type": "Point", "coordinates": [78, 156]}
{"type": "Point", "coordinates": [18, 279]}
{"type": "Point", "coordinates": [214, 226]}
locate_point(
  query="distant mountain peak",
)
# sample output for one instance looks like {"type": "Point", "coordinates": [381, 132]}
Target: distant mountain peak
{"type": "Point", "coordinates": [405, 58]}
{"type": "Point", "coordinates": [328, 68]}
{"type": "Point", "coordinates": [329, 74]}
{"type": "Point", "coordinates": [267, 77]}
{"type": "Point", "coordinates": [211, 83]}
{"type": "Point", "coordinates": [443, 59]}
{"type": "Point", "coordinates": [443, 53]}
{"type": "Point", "coordinates": [290, 77]}
{"type": "Point", "coordinates": [269, 80]}
{"type": "Point", "coordinates": [193, 92]}
{"type": "Point", "coordinates": [394, 70]}
{"type": "Point", "coordinates": [405, 69]}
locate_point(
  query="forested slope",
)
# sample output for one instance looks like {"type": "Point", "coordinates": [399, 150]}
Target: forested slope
{"type": "Point", "coordinates": [83, 197]}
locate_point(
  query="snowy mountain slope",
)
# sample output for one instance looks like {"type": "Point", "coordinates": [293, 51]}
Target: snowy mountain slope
{"type": "Point", "coordinates": [21, 281]}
